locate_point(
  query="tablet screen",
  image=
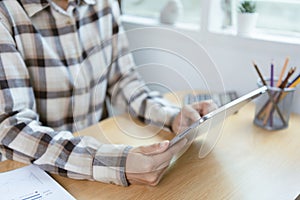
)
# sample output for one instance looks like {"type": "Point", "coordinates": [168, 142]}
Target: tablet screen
{"type": "Point", "coordinates": [225, 110]}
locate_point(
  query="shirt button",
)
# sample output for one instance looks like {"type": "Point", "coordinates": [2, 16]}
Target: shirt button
{"type": "Point", "coordinates": [68, 22]}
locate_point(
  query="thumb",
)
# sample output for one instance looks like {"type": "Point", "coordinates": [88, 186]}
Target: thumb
{"type": "Point", "coordinates": [153, 148]}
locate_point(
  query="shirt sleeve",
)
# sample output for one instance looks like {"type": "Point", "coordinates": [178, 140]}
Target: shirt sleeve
{"type": "Point", "coordinates": [23, 138]}
{"type": "Point", "coordinates": [128, 92]}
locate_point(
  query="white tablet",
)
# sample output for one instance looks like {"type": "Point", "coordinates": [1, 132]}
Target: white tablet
{"type": "Point", "coordinates": [224, 110]}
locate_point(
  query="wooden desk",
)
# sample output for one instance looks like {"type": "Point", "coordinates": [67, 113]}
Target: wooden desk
{"type": "Point", "coordinates": [247, 163]}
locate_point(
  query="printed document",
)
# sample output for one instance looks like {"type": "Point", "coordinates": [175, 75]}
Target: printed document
{"type": "Point", "coordinates": [30, 182]}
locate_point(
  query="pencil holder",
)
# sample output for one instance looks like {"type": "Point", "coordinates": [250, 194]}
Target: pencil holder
{"type": "Point", "coordinates": [273, 108]}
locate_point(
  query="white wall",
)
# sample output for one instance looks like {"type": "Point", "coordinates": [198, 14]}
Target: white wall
{"type": "Point", "coordinates": [232, 55]}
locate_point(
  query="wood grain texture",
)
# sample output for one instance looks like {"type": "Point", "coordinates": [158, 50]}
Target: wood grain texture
{"type": "Point", "coordinates": [246, 163]}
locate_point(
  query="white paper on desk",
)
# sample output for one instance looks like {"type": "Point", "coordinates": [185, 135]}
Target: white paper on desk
{"type": "Point", "coordinates": [28, 183]}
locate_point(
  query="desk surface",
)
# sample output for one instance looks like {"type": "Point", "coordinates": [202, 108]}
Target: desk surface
{"type": "Point", "coordinates": [247, 163]}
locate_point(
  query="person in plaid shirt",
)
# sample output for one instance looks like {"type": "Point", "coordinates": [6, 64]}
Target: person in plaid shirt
{"type": "Point", "coordinates": [59, 60]}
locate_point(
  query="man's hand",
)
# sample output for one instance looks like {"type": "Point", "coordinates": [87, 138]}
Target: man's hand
{"type": "Point", "coordinates": [147, 164]}
{"type": "Point", "coordinates": [191, 113]}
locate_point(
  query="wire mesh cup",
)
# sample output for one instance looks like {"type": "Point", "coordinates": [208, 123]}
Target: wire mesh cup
{"type": "Point", "coordinates": [273, 108]}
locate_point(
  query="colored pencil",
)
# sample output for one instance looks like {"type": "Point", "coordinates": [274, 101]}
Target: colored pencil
{"type": "Point", "coordinates": [294, 82]}
{"type": "Point", "coordinates": [271, 84]}
{"type": "Point", "coordinates": [282, 71]}
{"type": "Point", "coordinates": [269, 93]}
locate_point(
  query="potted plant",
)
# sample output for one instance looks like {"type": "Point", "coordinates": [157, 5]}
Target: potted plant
{"type": "Point", "coordinates": [247, 17]}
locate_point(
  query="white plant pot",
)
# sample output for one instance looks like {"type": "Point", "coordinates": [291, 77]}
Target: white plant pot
{"type": "Point", "coordinates": [246, 23]}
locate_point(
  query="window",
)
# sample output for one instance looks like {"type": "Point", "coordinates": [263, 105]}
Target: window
{"type": "Point", "coordinates": [276, 16]}
{"type": "Point", "coordinates": [152, 8]}
{"type": "Point", "coordinates": [279, 15]}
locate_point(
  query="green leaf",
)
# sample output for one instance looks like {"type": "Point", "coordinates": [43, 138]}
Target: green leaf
{"type": "Point", "coordinates": [247, 7]}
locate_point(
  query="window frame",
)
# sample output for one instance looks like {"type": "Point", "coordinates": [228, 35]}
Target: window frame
{"type": "Point", "coordinates": [209, 26]}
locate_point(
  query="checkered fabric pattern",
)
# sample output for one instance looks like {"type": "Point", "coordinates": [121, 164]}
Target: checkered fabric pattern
{"type": "Point", "coordinates": [56, 69]}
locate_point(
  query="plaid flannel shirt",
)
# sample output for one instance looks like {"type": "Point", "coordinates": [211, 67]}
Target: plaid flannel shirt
{"type": "Point", "coordinates": [56, 69]}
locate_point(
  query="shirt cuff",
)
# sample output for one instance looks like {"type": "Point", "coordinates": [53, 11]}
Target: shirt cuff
{"type": "Point", "coordinates": [166, 116]}
{"type": "Point", "coordinates": [109, 164]}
